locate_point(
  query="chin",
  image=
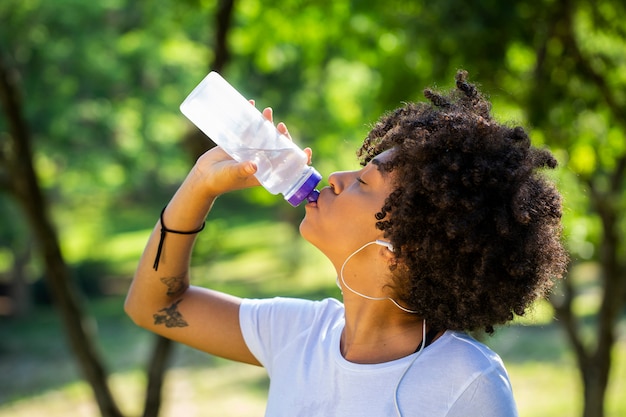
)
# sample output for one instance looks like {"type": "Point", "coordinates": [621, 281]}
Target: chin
{"type": "Point", "coordinates": [304, 230]}
{"type": "Point", "coordinates": [308, 234]}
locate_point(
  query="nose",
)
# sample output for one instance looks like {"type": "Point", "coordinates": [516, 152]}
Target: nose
{"type": "Point", "coordinates": [338, 180]}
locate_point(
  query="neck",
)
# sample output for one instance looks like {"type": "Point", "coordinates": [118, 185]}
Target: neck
{"type": "Point", "coordinates": [379, 333]}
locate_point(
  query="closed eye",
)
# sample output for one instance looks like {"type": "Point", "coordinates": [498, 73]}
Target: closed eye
{"type": "Point", "coordinates": [358, 179]}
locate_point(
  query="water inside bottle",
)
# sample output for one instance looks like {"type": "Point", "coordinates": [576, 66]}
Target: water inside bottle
{"type": "Point", "coordinates": [273, 165]}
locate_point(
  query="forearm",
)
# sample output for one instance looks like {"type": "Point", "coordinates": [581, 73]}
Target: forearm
{"type": "Point", "coordinates": [155, 288]}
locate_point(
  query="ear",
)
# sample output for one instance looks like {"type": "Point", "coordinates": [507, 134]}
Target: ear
{"type": "Point", "coordinates": [387, 250]}
{"type": "Point", "coordinates": [386, 244]}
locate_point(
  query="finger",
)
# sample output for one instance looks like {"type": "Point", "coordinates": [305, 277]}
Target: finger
{"type": "Point", "coordinates": [268, 114]}
{"type": "Point", "coordinates": [252, 101]}
{"type": "Point", "coordinates": [309, 154]}
{"type": "Point", "coordinates": [282, 128]}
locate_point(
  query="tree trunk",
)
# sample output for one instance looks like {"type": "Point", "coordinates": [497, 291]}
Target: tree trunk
{"type": "Point", "coordinates": [605, 189]}
{"type": "Point", "coordinates": [195, 141]}
{"type": "Point", "coordinates": [18, 164]}
{"type": "Point", "coordinates": [596, 376]}
{"type": "Point", "coordinates": [20, 179]}
{"type": "Point", "coordinates": [19, 291]}
{"type": "Point", "coordinates": [594, 390]}
{"type": "Point", "coordinates": [156, 375]}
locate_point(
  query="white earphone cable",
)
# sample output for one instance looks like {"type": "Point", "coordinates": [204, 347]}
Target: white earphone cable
{"type": "Point", "coordinates": [417, 355]}
{"type": "Point", "coordinates": [363, 295]}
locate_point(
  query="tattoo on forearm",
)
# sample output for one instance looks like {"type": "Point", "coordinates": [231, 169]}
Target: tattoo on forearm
{"type": "Point", "coordinates": [170, 316]}
{"type": "Point", "coordinates": [175, 285]}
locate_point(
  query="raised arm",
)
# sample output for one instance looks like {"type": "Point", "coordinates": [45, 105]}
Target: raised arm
{"type": "Point", "coordinates": [162, 300]}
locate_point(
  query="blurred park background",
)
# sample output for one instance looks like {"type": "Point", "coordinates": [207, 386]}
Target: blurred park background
{"type": "Point", "coordinates": [92, 145]}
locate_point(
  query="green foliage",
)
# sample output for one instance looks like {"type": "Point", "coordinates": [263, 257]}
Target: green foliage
{"type": "Point", "coordinates": [102, 81]}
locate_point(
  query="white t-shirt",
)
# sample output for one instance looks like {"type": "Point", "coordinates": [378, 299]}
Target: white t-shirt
{"type": "Point", "coordinates": [297, 341]}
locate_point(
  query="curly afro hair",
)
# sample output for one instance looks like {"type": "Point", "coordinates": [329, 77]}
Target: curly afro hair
{"type": "Point", "coordinates": [476, 230]}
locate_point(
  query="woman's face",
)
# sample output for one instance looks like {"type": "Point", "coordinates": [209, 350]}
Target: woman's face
{"type": "Point", "coordinates": [343, 218]}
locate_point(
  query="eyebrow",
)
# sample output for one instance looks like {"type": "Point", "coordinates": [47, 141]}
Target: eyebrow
{"type": "Point", "coordinates": [379, 166]}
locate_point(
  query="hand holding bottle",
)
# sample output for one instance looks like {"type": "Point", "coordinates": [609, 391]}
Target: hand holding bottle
{"type": "Point", "coordinates": [220, 173]}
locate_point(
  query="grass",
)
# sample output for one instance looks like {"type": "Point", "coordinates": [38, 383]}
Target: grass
{"type": "Point", "coordinates": [38, 375]}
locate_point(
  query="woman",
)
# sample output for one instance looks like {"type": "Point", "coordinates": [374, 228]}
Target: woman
{"type": "Point", "coordinates": [447, 228]}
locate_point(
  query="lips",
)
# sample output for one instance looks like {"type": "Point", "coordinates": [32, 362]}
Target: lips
{"type": "Point", "coordinates": [314, 204]}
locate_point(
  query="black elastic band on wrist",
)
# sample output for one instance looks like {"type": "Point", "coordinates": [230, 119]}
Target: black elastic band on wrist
{"type": "Point", "coordinates": [165, 230]}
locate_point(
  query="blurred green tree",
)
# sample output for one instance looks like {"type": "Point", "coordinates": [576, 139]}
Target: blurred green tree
{"type": "Point", "coordinates": [101, 81]}
{"type": "Point", "coordinates": [577, 100]}
{"type": "Point", "coordinates": [86, 139]}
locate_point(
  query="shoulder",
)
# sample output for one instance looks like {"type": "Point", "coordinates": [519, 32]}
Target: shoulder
{"type": "Point", "coordinates": [481, 382]}
{"type": "Point", "coordinates": [464, 349]}
{"type": "Point", "coordinates": [292, 309]}
{"type": "Point", "coordinates": [269, 326]}
{"type": "Point", "coordinates": [288, 316]}
{"type": "Point", "coordinates": [463, 361]}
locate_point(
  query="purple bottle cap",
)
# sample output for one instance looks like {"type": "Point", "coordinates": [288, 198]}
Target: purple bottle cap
{"type": "Point", "coordinates": [307, 190]}
{"type": "Point", "coordinates": [312, 198]}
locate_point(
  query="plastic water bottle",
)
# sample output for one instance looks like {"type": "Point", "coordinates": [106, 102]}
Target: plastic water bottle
{"type": "Point", "coordinates": [234, 124]}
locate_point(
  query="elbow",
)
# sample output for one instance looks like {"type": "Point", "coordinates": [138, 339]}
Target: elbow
{"type": "Point", "coordinates": [135, 312]}
{"type": "Point", "coordinates": [129, 309]}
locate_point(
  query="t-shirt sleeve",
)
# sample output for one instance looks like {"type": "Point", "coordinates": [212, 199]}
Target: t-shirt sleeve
{"type": "Point", "coordinates": [271, 325]}
{"type": "Point", "coordinates": [489, 395]}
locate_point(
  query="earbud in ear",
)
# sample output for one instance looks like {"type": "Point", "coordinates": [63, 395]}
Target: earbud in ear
{"type": "Point", "coordinates": [388, 245]}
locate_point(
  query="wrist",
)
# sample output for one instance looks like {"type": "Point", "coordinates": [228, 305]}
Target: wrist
{"type": "Point", "coordinates": [165, 230]}
{"type": "Point", "coordinates": [197, 190]}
